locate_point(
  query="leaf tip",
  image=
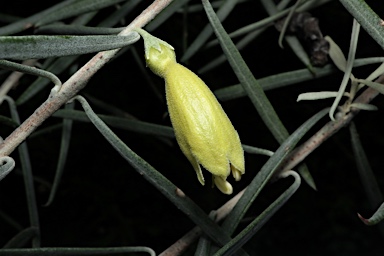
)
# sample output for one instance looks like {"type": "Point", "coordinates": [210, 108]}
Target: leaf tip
{"type": "Point", "coordinates": [364, 220]}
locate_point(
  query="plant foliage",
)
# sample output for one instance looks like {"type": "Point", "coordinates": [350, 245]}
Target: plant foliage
{"type": "Point", "coordinates": [89, 164]}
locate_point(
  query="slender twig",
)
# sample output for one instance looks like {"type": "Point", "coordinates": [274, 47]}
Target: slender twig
{"type": "Point", "coordinates": [301, 152]}
{"type": "Point", "coordinates": [75, 83]}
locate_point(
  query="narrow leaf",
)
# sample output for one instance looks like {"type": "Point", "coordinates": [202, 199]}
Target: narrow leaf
{"type": "Point", "coordinates": [259, 24]}
{"type": "Point", "coordinates": [266, 172]}
{"type": "Point", "coordinates": [307, 176]}
{"type": "Point", "coordinates": [56, 67]}
{"type": "Point", "coordinates": [336, 54]}
{"type": "Point", "coordinates": [30, 21]}
{"type": "Point", "coordinates": [287, 21]}
{"type": "Point", "coordinates": [377, 86]}
{"type": "Point", "coordinates": [40, 47]}
{"type": "Point", "coordinates": [378, 72]}
{"type": "Point", "coordinates": [168, 189]}
{"type": "Point", "coordinates": [246, 78]}
{"type": "Point", "coordinates": [317, 95]}
{"type": "Point", "coordinates": [8, 121]}
{"type": "Point", "coordinates": [43, 131]}
{"type": "Point", "coordinates": [376, 217]}
{"type": "Point", "coordinates": [119, 122]}
{"type": "Point", "coordinates": [259, 151]}
{"type": "Point", "coordinates": [28, 178]}
{"type": "Point", "coordinates": [276, 81]}
{"type": "Point", "coordinates": [367, 18]}
{"type": "Point", "coordinates": [21, 239]}
{"type": "Point", "coordinates": [63, 29]}
{"type": "Point", "coordinates": [364, 106]}
{"type": "Point", "coordinates": [10, 219]}
{"type": "Point", "coordinates": [248, 232]}
{"type": "Point", "coordinates": [368, 61]}
{"type": "Point", "coordinates": [288, 78]}
{"type": "Point", "coordinates": [165, 14]}
{"type": "Point", "coordinates": [292, 41]}
{"type": "Point", "coordinates": [240, 44]}
{"type": "Point", "coordinates": [31, 71]}
{"type": "Point", "coordinates": [119, 14]}
{"type": "Point", "coordinates": [204, 244]}
{"type": "Point", "coordinates": [6, 166]}
{"type": "Point", "coordinates": [68, 251]}
{"type": "Point", "coordinates": [307, 5]}
{"type": "Point", "coordinates": [367, 177]}
{"type": "Point", "coordinates": [348, 69]}
{"type": "Point", "coordinates": [74, 9]}
{"type": "Point", "coordinates": [64, 148]}
{"type": "Point", "coordinates": [202, 38]}
{"type": "Point", "coordinates": [299, 51]}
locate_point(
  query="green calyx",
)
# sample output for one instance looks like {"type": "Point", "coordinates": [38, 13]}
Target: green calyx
{"type": "Point", "coordinates": [158, 53]}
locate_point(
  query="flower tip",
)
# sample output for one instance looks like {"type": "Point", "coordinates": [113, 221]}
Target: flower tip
{"type": "Point", "coordinates": [236, 173]}
{"type": "Point", "coordinates": [224, 186]}
{"type": "Point", "coordinates": [364, 220]}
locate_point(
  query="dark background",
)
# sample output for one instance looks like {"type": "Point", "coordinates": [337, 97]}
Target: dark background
{"type": "Point", "coordinates": [103, 202]}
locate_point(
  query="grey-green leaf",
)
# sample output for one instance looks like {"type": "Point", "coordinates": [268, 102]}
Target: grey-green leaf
{"type": "Point", "coordinates": [165, 14]}
{"type": "Point", "coordinates": [367, 18]}
{"type": "Point", "coordinates": [266, 172]}
{"type": "Point", "coordinates": [317, 95]}
{"type": "Point", "coordinates": [6, 166]}
{"type": "Point", "coordinates": [56, 67]}
{"type": "Point", "coordinates": [74, 9]}
{"type": "Point", "coordinates": [248, 232]}
{"type": "Point", "coordinates": [166, 187]}
{"type": "Point", "coordinates": [376, 217]}
{"type": "Point", "coordinates": [377, 86]}
{"type": "Point", "coordinates": [246, 78]}
{"type": "Point", "coordinates": [31, 20]}
{"type": "Point", "coordinates": [65, 251]}
{"type": "Point", "coordinates": [364, 106]}
{"type": "Point", "coordinates": [22, 238]}
{"type": "Point", "coordinates": [118, 122]}
{"type": "Point", "coordinates": [40, 47]}
{"type": "Point", "coordinates": [275, 81]}
{"type": "Point", "coordinates": [222, 13]}
{"type": "Point", "coordinates": [26, 168]}
{"type": "Point", "coordinates": [367, 176]}
{"type": "Point", "coordinates": [63, 29]}
{"type": "Point", "coordinates": [64, 149]}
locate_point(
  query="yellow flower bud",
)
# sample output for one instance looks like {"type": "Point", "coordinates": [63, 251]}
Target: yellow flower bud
{"type": "Point", "coordinates": [203, 131]}
{"type": "Point", "coordinates": [159, 61]}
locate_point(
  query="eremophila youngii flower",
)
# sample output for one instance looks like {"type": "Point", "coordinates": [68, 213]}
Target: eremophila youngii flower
{"type": "Point", "coordinates": [203, 131]}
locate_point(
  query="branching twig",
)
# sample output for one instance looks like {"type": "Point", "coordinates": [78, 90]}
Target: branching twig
{"type": "Point", "coordinates": [301, 152]}
{"type": "Point", "coordinates": [75, 83]}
